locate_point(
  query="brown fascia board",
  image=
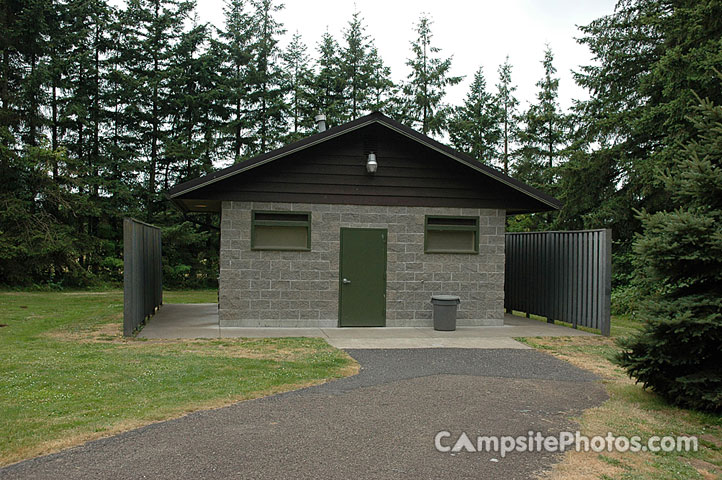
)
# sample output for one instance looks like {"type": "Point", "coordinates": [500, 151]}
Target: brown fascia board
{"type": "Point", "coordinates": [375, 117]}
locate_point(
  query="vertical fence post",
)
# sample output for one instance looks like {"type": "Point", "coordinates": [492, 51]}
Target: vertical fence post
{"type": "Point", "coordinates": [142, 273]}
{"type": "Point", "coordinates": [606, 316]}
{"type": "Point", "coordinates": [128, 301]}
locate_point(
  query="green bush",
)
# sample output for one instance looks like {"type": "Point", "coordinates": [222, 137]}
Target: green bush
{"type": "Point", "coordinates": [678, 269]}
{"type": "Point", "coordinates": [624, 300]}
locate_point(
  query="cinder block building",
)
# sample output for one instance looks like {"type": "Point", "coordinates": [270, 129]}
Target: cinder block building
{"type": "Point", "coordinates": [359, 225]}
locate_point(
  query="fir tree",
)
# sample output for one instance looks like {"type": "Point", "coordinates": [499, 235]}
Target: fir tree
{"type": "Point", "coordinates": [188, 152]}
{"type": "Point", "coordinates": [328, 84]}
{"type": "Point", "coordinates": [29, 35]}
{"type": "Point", "coordinates": [543, 136]}
{"type": "Point", "coordinates": [426, 87]}
{"type": "Point", "coordinates": [267, 108]}
{"type": "Point", "coordinates": [153, 28]}
{"type": "Point", "coordinates": [299, 83]}
{"type": "Point", "coordinates": [508, 111]}
{"type": "Point", "coordinates": [648, 58]}
{"type": "Point", "coordinates": [235, 47]}
{"type": "Point", "coordinates": [381, 88]}
{"type": "Point", "coordinates": [357, 68]}
{"type": "Point", "coordinates": [679, 276]}
{"type": "Point", "coordinates": [474, 127]}
{"type": "Point", "coordinates": [124, 163]}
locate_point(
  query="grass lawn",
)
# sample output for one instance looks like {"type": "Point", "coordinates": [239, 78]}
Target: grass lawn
{"type": "Point", "coordinates": [631, 411]}
{"type": "Point", "coordinates": [68, 376]}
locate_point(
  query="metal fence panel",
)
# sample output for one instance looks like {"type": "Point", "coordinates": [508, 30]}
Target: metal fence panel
{"type": "Point", "coordinates": [563, 276]}
{"type": "Point", "coordinates": [142, 273]}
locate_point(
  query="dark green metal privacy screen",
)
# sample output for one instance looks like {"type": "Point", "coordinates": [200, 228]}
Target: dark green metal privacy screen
{"type": "Point", "coordinates": [142, 282]}
{"type": "Point", "coordinates": [561, 276]}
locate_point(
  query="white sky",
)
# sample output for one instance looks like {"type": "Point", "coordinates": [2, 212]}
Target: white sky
{"type": "Point", "coordinates": [476, 33]}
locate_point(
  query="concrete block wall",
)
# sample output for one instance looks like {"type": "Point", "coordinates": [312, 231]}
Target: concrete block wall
{"type": "Point", "coordinates": [300, 289]}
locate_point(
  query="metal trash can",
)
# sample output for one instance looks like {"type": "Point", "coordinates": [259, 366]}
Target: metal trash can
{"type": "Point", "coordinates": [445, 311]}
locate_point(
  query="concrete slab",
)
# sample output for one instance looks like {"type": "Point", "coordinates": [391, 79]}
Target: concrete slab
{"type": "Point", "coordinates": [187, 320]}
{"type": "Point", "coordinates": [270, 332]}
{"type": "Point", "coordinates": [428, 342]}
{"type": "Point", "coordinates": [378, 332]}
{"type": "Point", "coordinates": [527, 327]}
{"type": "Point", "coordinates": [201, 321]}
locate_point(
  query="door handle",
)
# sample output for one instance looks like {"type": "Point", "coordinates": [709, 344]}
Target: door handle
{"type": "Point", "coordinates": [346, 281]}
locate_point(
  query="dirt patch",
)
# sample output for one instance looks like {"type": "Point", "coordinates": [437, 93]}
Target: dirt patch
{"type": "Point", "coordinates": [572, 350]}
{"type": "Point", "coordinates": [89, 293]}
{"type": "Point", "coordinates": [270, 353]}
{"type": "Point", "coordinates": [707, 470]}
{"type": "Point", "coordinates": [582, 466]}
{"type": "Point", "coordinates": [715, 440]}
{"type": "Point", "coordinates": [111, 334]}
{"type": "Point", "coordinates": [102, 333]}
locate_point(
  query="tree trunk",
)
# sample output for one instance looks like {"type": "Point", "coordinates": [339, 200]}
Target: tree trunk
{"type": "Point", "coordinates": [96, 111]}
{"type": "Point", "coordinates": [54, 135]}
{"type": "Point", "coordinates": [424, 128]}
{"type": "Point", "coordinates": [506, 138]}
{"type": "Point", "coordinates": [33, 110]}
{"type": "Point", "coordinates": [237, 144]}
{"type": "Point", "coordinates": [551, 146]}
{"type": "Point", "coordinates": [4, 79]}
{"type": "Point", "coordinates": [154, 120]}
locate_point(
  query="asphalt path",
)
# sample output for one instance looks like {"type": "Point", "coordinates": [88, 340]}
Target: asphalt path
{"type": "Point", "coordinates": [379, 424]}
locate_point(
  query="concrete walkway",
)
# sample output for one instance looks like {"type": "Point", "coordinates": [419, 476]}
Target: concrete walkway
{"type": "Point", "coordinates": [200, 320]}
{"type": "Point", "coordinates": [379, 424]}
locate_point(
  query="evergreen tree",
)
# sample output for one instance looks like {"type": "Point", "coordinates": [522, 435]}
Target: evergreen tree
{"type": "Point", "coordinates": [543, 136]}
{"type": "Point", "coordinates": [648, 56]}
{"type": "Point", "coordinates": [474, 127]}
{"type": "Point", "coordinates": [31, 30]}
{"type": "Point", "coordinates": [381, 88]}
{"type": "Point", "coordinates": [188, 152]}
{"type": "Point", "coordinates": [426, 87]}
{"type": "Point", "coordinates": [83, 118]}
{"type": "Point", "coordinates": [59, 44]}
{"type": "Point", "coordinates": [126, 195]}
{"type": "Point", "coordinates": [508, 111]}
{"type": "Point", "coordinates": [85, 93]}
{"type": "Point", "coordinates": [208, 68]}
{"type": "Point", "coordinates": [266, 105]}
{"type": "Point", "coordinates": [236, 49]}
{"type": "Point", "coordinates": [153, 28]}
{"type": "Point", "coordinates": [679, 276]}
{"type": "Point", "coordinates": [328, 84]}
{"type": "Point", "coordinates": [357, 69]}
{"type": "Point", "coordinates": [11, 71]}
{"type": "Point", "coordinates": [38, 240]}
{"type": "Point", "coordinates": [299, 83]}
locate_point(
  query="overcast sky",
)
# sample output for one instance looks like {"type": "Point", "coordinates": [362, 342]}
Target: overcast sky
{"type": "Point", "coordinates": [476, 33]}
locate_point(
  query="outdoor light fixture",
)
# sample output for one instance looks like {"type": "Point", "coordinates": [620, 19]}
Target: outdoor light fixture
{"type": "Point", "coordinates": [371, 164]}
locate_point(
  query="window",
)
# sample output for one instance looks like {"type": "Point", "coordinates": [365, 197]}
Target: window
{"type": "Point", "coordinates": [451, 234]}
{"type": "Point", "coordinates": [281, 230]}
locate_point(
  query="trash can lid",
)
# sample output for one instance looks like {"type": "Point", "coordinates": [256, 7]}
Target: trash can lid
{"type": "Point", "coordinates": [448, 298]}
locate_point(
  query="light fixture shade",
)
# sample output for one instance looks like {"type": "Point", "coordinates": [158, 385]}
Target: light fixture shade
{"type": "Point", "coordinates": [371, 164]}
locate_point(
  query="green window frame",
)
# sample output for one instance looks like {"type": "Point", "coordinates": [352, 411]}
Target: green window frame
{"type": "Point", "coordinates": [451, 234]}
{"type": "Point", "coordinates": [280, 230]}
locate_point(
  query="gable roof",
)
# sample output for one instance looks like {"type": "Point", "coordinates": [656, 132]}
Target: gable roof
{"type": "Point", "coordinates": [185, 188]}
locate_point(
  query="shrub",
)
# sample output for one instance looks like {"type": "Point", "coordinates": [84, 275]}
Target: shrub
{"type": "Point", "coordinates": [678, 268]}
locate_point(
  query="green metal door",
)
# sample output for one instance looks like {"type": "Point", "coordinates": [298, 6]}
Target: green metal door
{"type": "Point", "coordinates": [362, 278]}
